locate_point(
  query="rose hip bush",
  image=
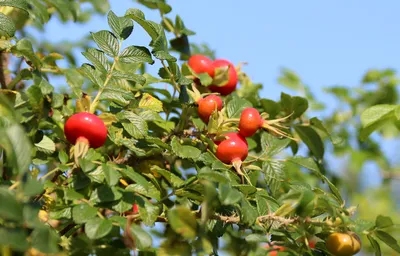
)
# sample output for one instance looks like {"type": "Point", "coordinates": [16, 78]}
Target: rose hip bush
{"type": "Point", "coordinates": [119, 164]}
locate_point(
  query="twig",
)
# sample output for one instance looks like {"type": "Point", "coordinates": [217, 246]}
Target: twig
{"type": "Point", "coordinates": [5, 77]}
{"type": "Point", "coordinates": [96, 100]}
{"type": "Point", "coordinates": [171, 76]}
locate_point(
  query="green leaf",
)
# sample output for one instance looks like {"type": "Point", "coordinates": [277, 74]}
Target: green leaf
{"type": "Point", "coordinates": [138, 16]}
{"type": "Point", "coordinates": [39, 10]}
{"type": "Point", "coordinates": [126, 203]}
{"type": "Point", "coordinates": [266, 204]}
{"type": "Point", "coordinates": [82, 213]}
{"type": "Point", "coordinates": [63, 213]}
{"type": "Point", "coordinates": [228, 195]}
{"type": "Point", "coordinates": [97, 228]}
{"type": "Point", "coordinates": [142, 186]}
{"type": "Point", "coordinates": [63, 157]}
{"type": "Point", "coordinates": [10, 209]}
{"type": "Point", "coordinates": [184, 151]}
{"type": "Point", "coordinates": [35, 98]}
{"type": "Point", "coordinates": [75, 80]}
{"type": "Point", "coordinates": [121, 26]}
{"type": "Point", "coordinates": [142, 238]}
{"type": "Point", "coordinates": [248, 214]}
{"type": "Point", "coordinates": [146, 190]}
{"type": "Point", "coordinates": [334, 190]}
{"type": "Point", "coordinates": [312, 139]}
{"type": "Point", "coordinates": [272, 145]}
{"type": "Point", "coordinates": [317, 124]}
{"type": "Point", "coordinates": [139, 79]}
{"type": "Point", "coordinates": [136, 127]}
{"type": "Point", "coordinates": [32, 187]}
{"type": "Point", "coordinates": [388, 240]}
{"type": "Point", "coordinates": [183, 222]}
{"type": "Point", "coordinates": [306, 162]}
{"type": "Point", "coordinates": [157, 4]}
{"type": "Point", "coordinates": [181, 44]}
{"type": "Point", "coordinates": [112, 176]}
{"type": "Point", "coordinates": [24, 48]}
{"type": "Point", "coordinates": [300, 105]}
{"type": "Point", "coordinates": [45, 239]}
{"type": "Point", "coordinates": [375, 117]}
{"type": "Point", "coordinates": [133, 54]}
{"type": "Point", "coordinates": [17, 147]}
{"type": "Point", "coordinates": [16, 238]}
{"type": "Point", "coordinates": [86, 165]}
{"type": "Point", "coordinates": [150, 102]}
{"type": "Point", "coordinates": [90, 72]}
{"type": "Point", "coordinates": [107, 42]}
{"type": "Point", "coordinates": [105, 193]}
{"type": "Point", "coordinates": [383, 222]}
{"type": "Point", "coordinates": [98, 59]}
{"type": "Point", "coordinates": [148, 212]}
{"type": "Point", "coordinates": [65, 9]}
{"type": "Point", "coordinates": [289, 79]}
{"type": "Point", "coordinates": [46, 145]}
{"type": "Point", "coordinates": [117, 95]}
{"type": "Point", "coordinates": [20, 4]}
{"type": "Point", "coordinates": [271, 107]}
{"type": "Point", "coordinates": [375, 245]}
{"type": "Point", "coordinates": [235, 107]}
{"type": "Point", "coordinates": [7, 27]}
{"type": "Point", "coordinates": [274, 174]}
{"type": "Point", "coordinates": [174, 180]}
{"type": "Point", "coordinates": [164, 55]}
{"type": "Point", "coordinates": [246, 189]}
{"type": "Point", "coordinates": [213, 176]}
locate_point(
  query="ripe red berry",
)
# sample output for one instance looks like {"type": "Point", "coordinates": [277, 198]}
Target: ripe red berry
{"type": "Point", "coordinates": [232, 149]}
{"type": "Point", "coordinates": [201, 64]}
{"type": "Point", "coordinates": [250, 122]}
{"type": "Point", "coordinates": [86, 126]}
{"type": "Point", "coordinates": [135, 209]}
{"type": "Point", "coordinates": [230, 86]}
{"type": "Point", "coordinates": [207, 106]}
{"type": "Point", "coordinates": [276, 250]}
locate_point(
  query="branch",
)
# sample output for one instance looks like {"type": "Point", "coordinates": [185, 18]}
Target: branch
{"type": "Point", "coordinates": [5, 77]}
{"type": "Point", "coordinates": [236, 219]}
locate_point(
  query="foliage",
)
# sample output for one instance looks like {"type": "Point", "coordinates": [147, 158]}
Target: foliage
{"type": "Point", "coordinates": [159, 155]}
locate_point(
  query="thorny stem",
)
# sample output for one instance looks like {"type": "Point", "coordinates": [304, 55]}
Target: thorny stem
{"type": "Point", "coordinates": [236, 219]}
{"type": "Point", "coordinates": [96, 100]}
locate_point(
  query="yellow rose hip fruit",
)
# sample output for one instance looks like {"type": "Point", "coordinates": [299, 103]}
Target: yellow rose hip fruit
{"type": "Point", "coordinates": [343, 244]}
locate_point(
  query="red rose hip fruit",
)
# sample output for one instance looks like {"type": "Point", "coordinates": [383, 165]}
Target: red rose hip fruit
{"type": "Point", "coordinates": [201, 64]}
{"type": "Point", "coordinates": [230, 86]}
{"type": "Point", "coordinates": [85, 126]}
{"type": "Point", "coordinates": [250, 122]}
{"type": "Point", "coordinates": [135, 209]}
{"type": "Point", "coordinates": [235, 148]}
{"type": "Point", "coordinates": [207, 106]}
